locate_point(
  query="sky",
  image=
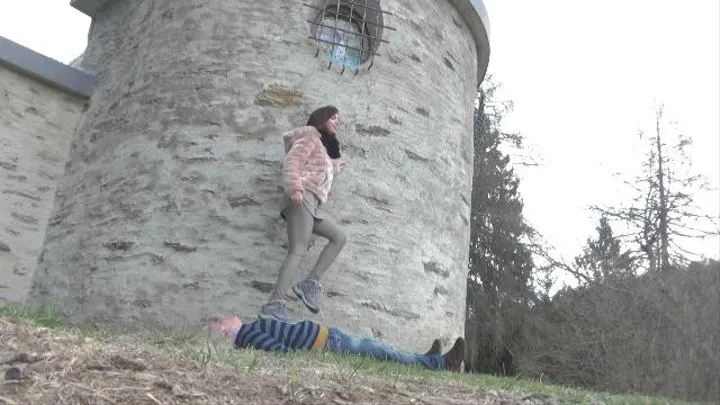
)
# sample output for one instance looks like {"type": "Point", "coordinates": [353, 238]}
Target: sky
{"type": "Point", "coordinates": [583, 77]}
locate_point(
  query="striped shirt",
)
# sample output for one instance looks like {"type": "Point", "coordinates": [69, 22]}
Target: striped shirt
{"type": "Point", "coordinates": [277, 336]}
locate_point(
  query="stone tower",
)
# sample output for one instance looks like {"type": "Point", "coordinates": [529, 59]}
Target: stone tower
{"type": "Point", "coordinates": [168, 212]}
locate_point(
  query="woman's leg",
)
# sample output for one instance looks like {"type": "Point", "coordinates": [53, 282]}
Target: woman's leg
{"type": "Point", "coordinates": [308, 290]}
{"type": "Point", "coordinates": [299, 228]}
{"type": "Point", "coordinates": [329, 229]}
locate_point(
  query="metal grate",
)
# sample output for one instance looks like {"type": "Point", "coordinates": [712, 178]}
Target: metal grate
{"type": "Point", "coordinates": [365, 16]}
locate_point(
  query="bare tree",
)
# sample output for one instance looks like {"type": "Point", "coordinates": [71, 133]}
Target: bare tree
{"type": "Point", "coordinates": [664, 214]}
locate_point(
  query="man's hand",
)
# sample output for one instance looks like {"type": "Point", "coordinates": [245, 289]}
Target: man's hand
{"type": "Point", "coordinates": [296, 197]}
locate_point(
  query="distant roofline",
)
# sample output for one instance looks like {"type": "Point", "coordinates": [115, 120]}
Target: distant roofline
{"type": "Point", "coordinates": [473, 12]}
{"type": "Point", "coordinates": [47, 70]}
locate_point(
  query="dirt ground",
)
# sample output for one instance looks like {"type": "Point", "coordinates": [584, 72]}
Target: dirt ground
{"type": "Point", "coordinates": [48, 366]}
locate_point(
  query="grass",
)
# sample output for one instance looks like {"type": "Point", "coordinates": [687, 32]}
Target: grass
{"type": "Point", "coordinates": [353, 374]}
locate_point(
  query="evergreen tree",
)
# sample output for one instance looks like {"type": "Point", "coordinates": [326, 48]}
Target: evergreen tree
{"type": "Point", "coordinates": [501, 266]}
{"type": "Point", "coordinates": [602, 258]}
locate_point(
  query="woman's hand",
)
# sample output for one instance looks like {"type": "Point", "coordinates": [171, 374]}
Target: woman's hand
{"type": "Point", "coordinates": [339, 165]}
{"type": "Point", "coordinates": [296, 197]}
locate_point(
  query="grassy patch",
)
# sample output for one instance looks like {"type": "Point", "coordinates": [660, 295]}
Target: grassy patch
{"type": "Point", "coordinates": [304, 374]}
{"type": "Point", "coordinates": [41, 317]}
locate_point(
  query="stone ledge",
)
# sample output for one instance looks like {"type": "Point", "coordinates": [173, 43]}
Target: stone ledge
{"type": "Point", "coordinates": [89, 7]}
{"type": "Point", "coordinates": [47, 70]}
{"type": "Point", "coordinates": [476, 17]}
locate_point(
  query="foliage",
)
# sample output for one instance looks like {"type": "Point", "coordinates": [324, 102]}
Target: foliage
{"type": "Point", "coordinates": [602, 258]}
{"type": "Point", "coordinates": [500, 265]}
{"type": "Point", "coordinates": [655, 333]}
{"type": "Point", "coordinates": [619, 329]}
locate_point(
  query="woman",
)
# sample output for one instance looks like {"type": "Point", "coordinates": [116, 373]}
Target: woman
{"type": "Point", "coordinates": [312, 159]}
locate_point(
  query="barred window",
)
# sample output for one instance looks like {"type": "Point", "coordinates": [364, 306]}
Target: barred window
{"type": "Point", "coordinates": [347, 32]}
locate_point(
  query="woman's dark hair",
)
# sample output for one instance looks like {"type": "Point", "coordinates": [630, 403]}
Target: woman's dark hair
{"type": "Point", "coordinates": [317, 119]}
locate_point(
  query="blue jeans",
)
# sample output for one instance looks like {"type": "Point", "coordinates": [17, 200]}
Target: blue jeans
{"type": "Point", "coordinates": [344, 343]}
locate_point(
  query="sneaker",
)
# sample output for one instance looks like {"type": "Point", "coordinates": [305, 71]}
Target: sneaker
{"type": "Point", "coordinates": [276, 309]}
{"type": "Point", "coordinates": [435, 349]}
{"type": "Point", "coordinates": [456, 355]}
{"type": "Point", "coordinates": [309, 292]}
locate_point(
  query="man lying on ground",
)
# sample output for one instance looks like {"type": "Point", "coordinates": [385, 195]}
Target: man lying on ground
{"type": "Point", "coordinates": [277, 336]}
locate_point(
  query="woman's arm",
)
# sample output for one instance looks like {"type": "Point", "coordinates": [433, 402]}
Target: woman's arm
{"type": "Point", "coordinates": [297, 156]}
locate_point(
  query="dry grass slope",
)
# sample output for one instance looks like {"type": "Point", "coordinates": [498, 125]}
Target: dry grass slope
{"type": "Point", "coordinates": [43, 361]}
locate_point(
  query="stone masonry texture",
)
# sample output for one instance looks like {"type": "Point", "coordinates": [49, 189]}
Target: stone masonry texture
{"type": "Point", "coordinates": [36, 126]}
{"type": "Point", "coordinates": [168, 212]}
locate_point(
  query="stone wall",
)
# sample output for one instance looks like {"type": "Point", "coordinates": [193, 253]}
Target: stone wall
{"type": "Point", "coordinates": [169, 212]}
{"type": "Point", "coordinates": [36, 126]}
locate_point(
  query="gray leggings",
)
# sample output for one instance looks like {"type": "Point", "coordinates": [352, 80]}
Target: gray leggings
{"type": "Point", "coordinates": [300, 225]}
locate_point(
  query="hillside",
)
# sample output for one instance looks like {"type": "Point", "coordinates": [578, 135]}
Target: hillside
{"type": "Point", "coordinates": [56, 364]}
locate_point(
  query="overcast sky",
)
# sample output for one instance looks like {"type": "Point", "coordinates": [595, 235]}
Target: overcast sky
{"type": "Point", "coordinates": [583, 76]}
